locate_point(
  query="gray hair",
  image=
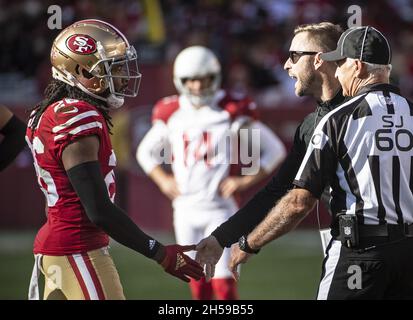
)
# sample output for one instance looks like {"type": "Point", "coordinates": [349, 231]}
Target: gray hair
{"type": "Point", "coordinates": [374, 68]}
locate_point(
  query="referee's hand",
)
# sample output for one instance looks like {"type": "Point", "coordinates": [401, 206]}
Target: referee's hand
{"type": "Point", "coordinates": [209, 251]}
{"type": "Point", "coordinates": [237, 257]}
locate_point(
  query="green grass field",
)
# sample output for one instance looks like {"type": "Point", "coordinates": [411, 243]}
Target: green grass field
{"type": "Point", "coordinates": [288, 268]}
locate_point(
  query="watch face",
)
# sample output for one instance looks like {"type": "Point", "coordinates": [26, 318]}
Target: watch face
{"type": "Point", "coordinates": [243, 245]}
{"type": "Point", "coordinates": [242, 242]}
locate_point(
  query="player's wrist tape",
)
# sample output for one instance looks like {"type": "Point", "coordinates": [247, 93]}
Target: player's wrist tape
{"type": "Point", "coordinates": [160, 253]}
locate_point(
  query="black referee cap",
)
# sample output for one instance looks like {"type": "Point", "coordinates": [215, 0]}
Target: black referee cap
{"type": "Point", "coordinates": [364, 43]}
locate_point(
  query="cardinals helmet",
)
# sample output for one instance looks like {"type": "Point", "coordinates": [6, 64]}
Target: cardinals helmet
{"type": "Point", "coordinates": [194, 63]}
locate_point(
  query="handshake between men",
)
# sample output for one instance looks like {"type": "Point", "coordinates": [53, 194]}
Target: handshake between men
{"type": "Point", "coordinates": [209, 251]}
{"type": "Point", "coordinates": [178, 264]}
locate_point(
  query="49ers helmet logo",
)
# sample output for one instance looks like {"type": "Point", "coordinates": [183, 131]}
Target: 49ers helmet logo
{"type": "Point", "coordinates": [81, 44]}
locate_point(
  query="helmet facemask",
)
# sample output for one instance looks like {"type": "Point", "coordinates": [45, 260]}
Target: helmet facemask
{"type": "Point", "coordinates": [206, 96]}
{"type": "Point", "coordinates": [118, 70]}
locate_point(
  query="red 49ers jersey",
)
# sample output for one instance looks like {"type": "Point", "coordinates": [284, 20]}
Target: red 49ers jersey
{"type": "Point", "coordinates": [68, 229]}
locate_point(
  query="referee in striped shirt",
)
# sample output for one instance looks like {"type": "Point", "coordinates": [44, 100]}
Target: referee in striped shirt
{"type": "Point", "coordinates": [364, 150]}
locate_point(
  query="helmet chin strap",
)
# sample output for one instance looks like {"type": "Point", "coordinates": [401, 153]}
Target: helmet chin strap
{"type": "Point", "coordinates": [112, 100]}
{"type": "Point", "coordinates": [115, 102]}
{"type": "Point", "coordinates": [198, 101]}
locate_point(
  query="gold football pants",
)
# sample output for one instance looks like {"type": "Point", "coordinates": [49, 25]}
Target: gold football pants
{"type": "Point", "coordinates": [84, 276]}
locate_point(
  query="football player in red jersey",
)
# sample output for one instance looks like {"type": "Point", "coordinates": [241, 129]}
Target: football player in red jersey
{"type": "Point", "coordinates": [195, 126]}
{"type": "Point", "coordinates": [12, 129]}
{"type": "Point", "coordinates": [94, 67]}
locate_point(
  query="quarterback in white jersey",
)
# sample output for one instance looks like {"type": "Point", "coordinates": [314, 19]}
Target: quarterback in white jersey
{"type": "Point", "coordinates": [205, 134]}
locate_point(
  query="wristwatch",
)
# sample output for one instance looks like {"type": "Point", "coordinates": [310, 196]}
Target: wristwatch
{"type": "Point", "coordinates": [243, 245]}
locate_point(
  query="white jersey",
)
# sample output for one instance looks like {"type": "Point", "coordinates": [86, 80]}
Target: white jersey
{"type": "Point", "coordinates": [196, 138]}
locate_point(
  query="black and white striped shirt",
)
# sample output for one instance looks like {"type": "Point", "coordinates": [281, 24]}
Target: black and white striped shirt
{"type": "Point", "coordinates": [364, 151]}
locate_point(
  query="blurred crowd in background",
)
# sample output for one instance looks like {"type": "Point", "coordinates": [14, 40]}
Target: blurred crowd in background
{"type": "Point", "coordinates": [251, 37]}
